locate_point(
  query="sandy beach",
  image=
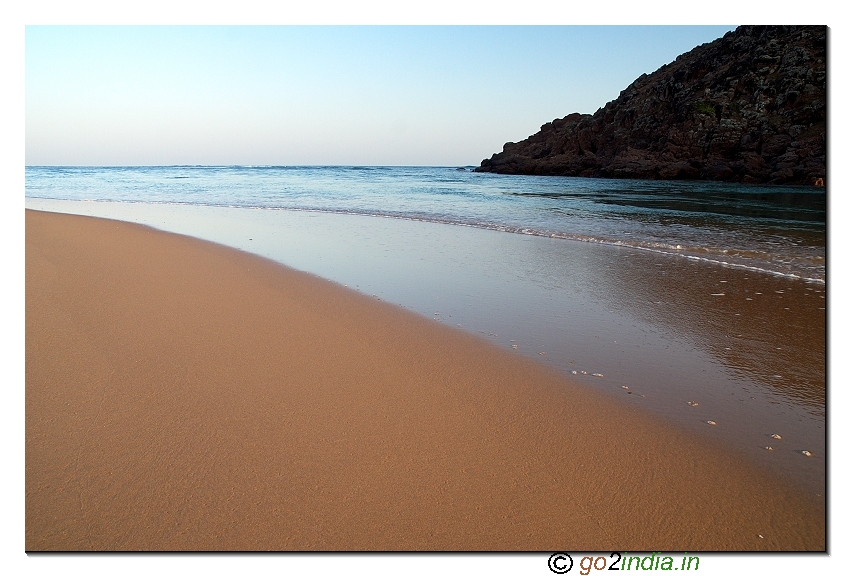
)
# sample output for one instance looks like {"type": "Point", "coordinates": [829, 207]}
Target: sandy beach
{"type": "Point", "coordinates": [181, 395]}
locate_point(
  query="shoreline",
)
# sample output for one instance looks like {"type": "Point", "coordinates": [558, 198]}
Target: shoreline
{"type": "Point", "coordinates": [652, 325]}
{"type": "Point", "coordinates": [183, 395]}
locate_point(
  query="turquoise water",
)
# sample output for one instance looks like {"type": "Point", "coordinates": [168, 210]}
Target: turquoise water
{"type": "Point", "coordinates": [775, 230]}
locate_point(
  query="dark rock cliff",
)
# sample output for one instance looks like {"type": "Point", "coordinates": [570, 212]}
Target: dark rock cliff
{"type": "Point", "coordinates": [748, 107]}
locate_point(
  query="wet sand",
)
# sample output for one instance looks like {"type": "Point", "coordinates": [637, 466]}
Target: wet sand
{"type": "Point", "coordinates": [752, 360]}
{"type": "Point", "coordinates": [181, 395]}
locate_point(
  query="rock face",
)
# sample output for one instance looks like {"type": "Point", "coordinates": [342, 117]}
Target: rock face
{"type": "Point", "coordinates": [748, 107]}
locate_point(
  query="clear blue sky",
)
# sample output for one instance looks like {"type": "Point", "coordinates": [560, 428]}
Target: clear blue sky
{"type": "Point", "coordinates": [407, 95]}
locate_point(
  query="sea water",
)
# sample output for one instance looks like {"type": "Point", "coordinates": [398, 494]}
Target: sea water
{"type": "Point", "coordinates": [777, 230]}
{"type": "Point", "coordinates": [698, 302]}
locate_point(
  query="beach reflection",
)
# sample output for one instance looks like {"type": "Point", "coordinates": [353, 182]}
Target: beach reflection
{"type": "Point", "coordinates": [689, 341]}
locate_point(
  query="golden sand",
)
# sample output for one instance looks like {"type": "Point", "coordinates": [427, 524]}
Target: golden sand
{"type": "Point", "coordinates": [181, 395]}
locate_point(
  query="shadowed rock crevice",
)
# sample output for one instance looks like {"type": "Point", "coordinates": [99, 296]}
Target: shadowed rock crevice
{"type": "Point", "coordinates": [748, 107]}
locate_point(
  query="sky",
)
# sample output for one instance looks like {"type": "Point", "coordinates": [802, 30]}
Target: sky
{"type": "Point", "coordinates": [321, 95]}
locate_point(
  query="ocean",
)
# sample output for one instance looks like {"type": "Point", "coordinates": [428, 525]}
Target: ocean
{"type": "Point", "coordinates": [701, 302]}
{"type": "Point", "coordinates": [776, 230]}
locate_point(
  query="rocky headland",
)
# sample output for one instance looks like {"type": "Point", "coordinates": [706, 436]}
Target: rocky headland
{"type": "Point", "coordinates": [748, 107]}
